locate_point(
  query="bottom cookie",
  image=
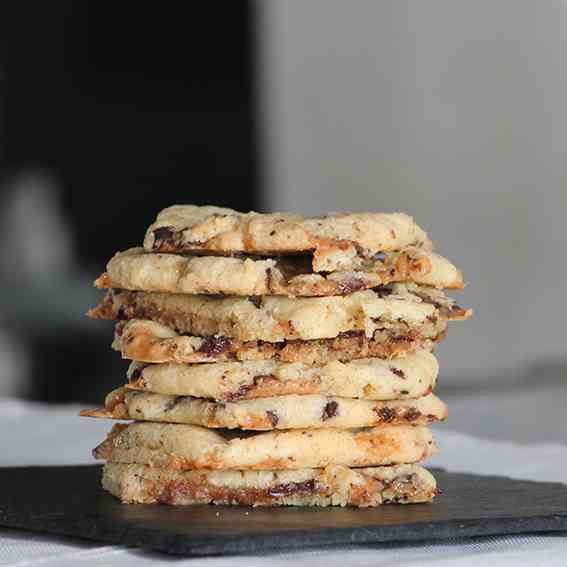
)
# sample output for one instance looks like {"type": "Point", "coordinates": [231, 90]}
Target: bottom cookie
{"type": "Point", "coordinates": [331, 486]}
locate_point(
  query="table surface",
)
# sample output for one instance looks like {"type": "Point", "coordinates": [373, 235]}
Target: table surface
{"type": "Point", "coordinates": [520, 432]}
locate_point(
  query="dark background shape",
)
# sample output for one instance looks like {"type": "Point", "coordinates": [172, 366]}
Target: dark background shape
{"type": "Point", "coordinates": [130, 108]}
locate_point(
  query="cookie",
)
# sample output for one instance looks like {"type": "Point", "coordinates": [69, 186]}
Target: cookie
{"type": "Point", "coordinates": [263, 414]}
{"type": "Point", "coordinates": [274, 319]}
{"type": "Point", "coordinates": [331, 486]}
{"type": "Point", "coordinates": [138, 270]}
{"type": "Point", "coordinates": [191, 447]}
{"type": "Point", "coordinates": [147, 341]}
{"type": "Point", "coordinates": [334, 239]}
{"type": "Point", "coordinates": [411, 376]}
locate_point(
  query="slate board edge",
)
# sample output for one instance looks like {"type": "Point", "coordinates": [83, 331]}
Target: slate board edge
{"type": "Point", "coordinates": [205, 546]}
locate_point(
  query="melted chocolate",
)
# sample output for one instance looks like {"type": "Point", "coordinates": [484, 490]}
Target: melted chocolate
{"type": "Point", "coordinates": [163, 235]}
{"type": "Point", "coordinates": [398, 372]}
{"type": "Point", "coordinates": [137, 373]}
{"type": "Point", "coordinates": [273, 417]}
{"type": "Point", "coordinates": [269, 279]}
{"type": "Point", "coordinates": [330, 410]}
{"type": "Point", "coordinates": [172, 403]}
{"type": "Point", "coordinates": [305, 487]}
{"type": "Point", "coordinates": [386, 414]}
{"type": "Point", "coordinates": [412, 414]}
{"type": "Point", "coordinates": [351, 285]}
{"type": "Point", "coordinates": [215, 345]}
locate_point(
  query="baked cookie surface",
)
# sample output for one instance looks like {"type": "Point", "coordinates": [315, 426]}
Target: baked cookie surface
{"type": "Point", "coordinates": [411, 376]}
{"type": "Point", "coordinates": [331, 486]}
{"type": "Point", "coordinates": [138, 270]}
{"type": "Point", "coordinates": [274, 319]}
{"type": "Point", "coordinates": [263, 414]}
{"type": "Point", "coordinates": [334, 239]}
{"type": "Point", "coordinates": [147, 341]}
{"type": "Point", "coordinates": [192, 447]}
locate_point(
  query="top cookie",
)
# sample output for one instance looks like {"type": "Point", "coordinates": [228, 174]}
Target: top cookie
{"type": "Point", "coordinates": [334, 238]}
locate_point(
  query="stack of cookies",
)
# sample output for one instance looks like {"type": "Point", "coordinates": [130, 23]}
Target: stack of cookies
{"type": "Point", "coordinates": [276, 359]}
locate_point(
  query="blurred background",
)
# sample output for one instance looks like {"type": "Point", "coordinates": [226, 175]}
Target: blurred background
{"type": "Point", "coordinates": [451, 110]}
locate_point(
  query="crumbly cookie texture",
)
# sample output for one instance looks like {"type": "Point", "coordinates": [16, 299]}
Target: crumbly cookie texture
{"type": "Point", "coordinates": [146, 341]}
{"type": "Point", "coordinates": [406, 377]}
{"type": "Point", "coordinates": [331, 486]}
{"type": "Point", "coordinates": [138, 270]}
{"type": "Point", "coordinates": [334, 239]}
{"type": "Point", "coordinates": [264, 414]}
{"type": "Point", "coordinates": [274, 319]}
{"type": "Point", "coordinates": [192, 447]}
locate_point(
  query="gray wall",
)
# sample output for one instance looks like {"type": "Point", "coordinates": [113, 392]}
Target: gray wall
{"type": "Point", "coordinates": [455, 111]}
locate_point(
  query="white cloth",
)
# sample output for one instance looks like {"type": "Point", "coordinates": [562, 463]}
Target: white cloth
{"type": "Point", "coordinates": [34, 434]}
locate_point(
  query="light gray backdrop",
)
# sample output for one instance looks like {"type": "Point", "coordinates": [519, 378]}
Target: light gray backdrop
{"type": "Point", "coordinates": [455, 111]}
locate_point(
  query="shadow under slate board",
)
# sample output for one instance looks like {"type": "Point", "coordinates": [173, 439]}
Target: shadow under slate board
{"type": "Point", "coordinates": [68, 500]}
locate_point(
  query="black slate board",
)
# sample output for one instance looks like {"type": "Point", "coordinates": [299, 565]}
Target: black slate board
{"type": "Point", "coordinates": [69, 501]}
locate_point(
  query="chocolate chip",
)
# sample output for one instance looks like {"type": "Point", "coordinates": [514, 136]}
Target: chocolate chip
{"type": "Point", "coordinates": [121, 313]}
{"type": "Point", "coordinates": [412, 414]}
{"type": "Point", "coordinates": [273, 417]}
{"type": "Point", "coordinates": [256, 301]}
{"type": "Point", "coordinates": [383, 291]}
{"type": "Point", "coordinates": [400, 339]}
{"type": "Point", "coordinates": [330, 410]}
{"type": "Point", "coordinates": [172, 403]}
{"type": "Point", "coordinates": [386, 414]}
{"type": "Point", "coordinates": [351, 334]}
{"type": "Point", "coordinates": [163, 235]}
{"type": "Point", "coordinates": [404, 392]}
{"type": "Point", "coordinates": [397, 372]}
{"type": "Point", "coordinates": [350, 285]}
{"type": "Point", "coordinates": [215, 345]}
{"type": "Point", "coordinates": [240, 393]}
{"type": "Point", "coordinates": [137, 373]}
{"type": "Point", "coordinates": [305, 487]}
{"type": "Point", "coordinates": [272, 233]}
{"type": "Point", "coordinates": [405, 479]}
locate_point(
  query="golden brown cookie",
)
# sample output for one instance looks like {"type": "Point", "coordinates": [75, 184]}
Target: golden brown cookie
{"type": "Point", "coordinates": [334, 239]}
{"type": "Point", "coordinates": [264, 414]}
{"type": "Point", "coordinates": [147, 341]}
{"type": "Point", "coordinates": [410, 376]}
{"type": "Point", "coordinates": [275, 319]}
{"type": "Point", "coordinates": [138, 270]}
{"type": "Point", "coordinates": [192, 447]}
{"type": "Point", "coordinates": [331, 486]}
